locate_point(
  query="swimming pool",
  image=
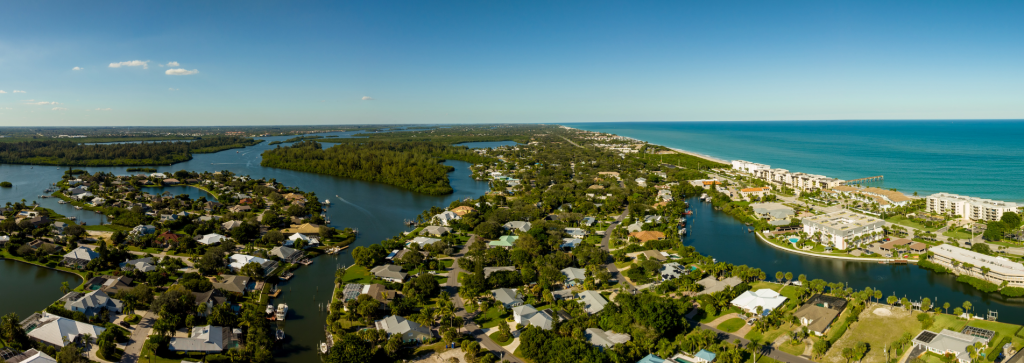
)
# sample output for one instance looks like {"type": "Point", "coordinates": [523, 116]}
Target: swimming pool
{"type": "Point", "coordinates": [794, 239]}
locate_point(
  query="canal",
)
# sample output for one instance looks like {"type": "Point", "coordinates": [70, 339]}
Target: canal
{"type": "Point", "coordinates": [723, 237]}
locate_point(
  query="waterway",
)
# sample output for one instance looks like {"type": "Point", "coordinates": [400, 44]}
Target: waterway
{"type": "Point", "coordinates": [35, 287]}
{"type": "Point", "coordinates": [723, 237]}
{"type": "Point", "coordinates": [376, 210]}
{"type": "Point", "coordinates": [487, 144]}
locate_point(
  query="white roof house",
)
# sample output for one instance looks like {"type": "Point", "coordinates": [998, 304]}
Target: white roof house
{"type": "Point", "coordinates": [592, 301]}
{"type": "Point", "coordinates": [446, 217]}
{"type": "Point", "coordinates": [210, 339]}
{"type": "Point", "coordinates": [239, 260]}
{"type": "Point", "coordinates": [31, 356]}
{"type": "Point", "coordinates": [572, 274]}
{"type": "Point", "coordinates": [767, 299]}
{"type": "Point", "coordinates": [58, 331]}
{"type": "Point", "coordinates": [423, 241]}
{"type": "Point", "coordinates": [408, 330]}
{"type": "Point", "coordinates": [948, 341]}
{"type": "Point", "coordinates": [212, 238]}
{"type": "Point", "coordinates": [528, 315]}
{"type": "Point", "coordinates": [519, 225]}
{"type": "Point", "coordinates": [90, 304]}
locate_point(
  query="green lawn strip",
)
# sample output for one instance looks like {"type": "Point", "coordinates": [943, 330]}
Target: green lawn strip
{"type": "Point", "coordinates": [447, 263]}
{"type": "Point", "coordinates": [491, 318]}
{"type": "Point", "coordinates": [731, 325]}
{"type": "Point", "coordinates": [796, 350]}
{"type": "Point", "coordinates": [1004, 330]}
{"type": "Point", "coordinates": [441, 279]}
{"type": "Point", "coordinates": [495, 336]}
{"type": "Point", "coordinates": [876, 331]}
{"type": "Point", "coordinates": [436, 348]}
{"type": "Point", "coordinates": [908, 223]}
{"type": "Point", "coordinates": [731, 309]}
{"type": "Point", "coordinates": [357, 275]}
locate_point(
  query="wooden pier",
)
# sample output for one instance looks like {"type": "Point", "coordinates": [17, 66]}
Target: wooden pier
{"type": "Point", "coordinates": [871, 178]}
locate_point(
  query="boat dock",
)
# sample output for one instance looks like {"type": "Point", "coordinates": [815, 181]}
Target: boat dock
{"type": "Point", "coordinates": [870, 178]}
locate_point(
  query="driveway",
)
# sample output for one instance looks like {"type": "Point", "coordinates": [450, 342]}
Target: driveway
{"type": "Point", "coordinates": [140, 333]}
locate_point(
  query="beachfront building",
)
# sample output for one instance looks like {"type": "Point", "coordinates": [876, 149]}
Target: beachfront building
{"type": "Point", "coordinates": [748, 167]}
{"type": "Point", "coordinates": [800, 181]}
{"type": "Point", "coordinates": [972, 208]}
{"type": "Point", "coordinates": [844, 229]}
{"type": "Point", "coordinates": [757, 192]}
{"type": "Point", "coordinates": [1000, 269]}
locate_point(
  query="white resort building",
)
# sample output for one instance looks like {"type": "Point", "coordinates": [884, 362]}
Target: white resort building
{"type": "Point", "coordinates": [748, 167]}
{"type": "Point", "coordinates": [800, 181]}
{"type": "Point", "coordinates": [1001, 269]}
{"type": "Point", "coordinates": [844, 229]}
{"type": "Point", "coordinates": [971, 208]}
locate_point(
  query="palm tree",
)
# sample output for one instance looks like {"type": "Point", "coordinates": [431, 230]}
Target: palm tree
{"type": "Point", "coordinates": [64, 287]}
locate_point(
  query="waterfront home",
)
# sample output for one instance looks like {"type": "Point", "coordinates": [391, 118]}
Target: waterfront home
{"type": "Point", "coordinates": [576, 232]}
{"type": "Point", "coordinates": [528, 315]}
{"type": "Point", "coordinates": [844, 229]}
{"type": "Point", "coordinates": [818, 313]}
{"type": "Point", "coordinates": [423, 241]}
{"type": "Point", "coordinates": [969, 208]}
{"type": "Point", "coordinates": [409, 331]}
{"type": "Point", "coordinates": [206, 339]}
{"type": "Point", "coordinates": [306, 240]}
{"type": "Point", "coordinates": [655, 255]}
{"type": "Point", "coordinates": [171, 181]}
{"type": "Point", "coordinates": [1001, 269]}
{"type": "Point", "coordinates": [504, 241]}
{"type": "Point", "coordinates": [592, 301]}
{"type": "Point", "coordinates": [79, 257]}
{"type": "Point", "coordinates": [767, 299]}
{"type": "Point", "coordinates": [510, 298]}
{"type": "Point", "coordinates": [209, 299]}
{"type": "Point", "coordinates": [644, 236]}
{"type": "Point", "coordinates": [671, 270]}
{"type": "Point", "coordinates": [144, 264]}
{"type": "Point", "coordinates": [58, 331]}
{"type": "Point", "coordinates": [233, 283]}
{"type": "Point", "coordinates": [58, 227]}
{"type": "Point", "coordinates": [305, 228]}
{"type": "Point", "coordinates": [603, 338]}
{"type": "Point", "coordinates": [574, 275]}
{"type": "Point", "coordinates": [436, 231]}
{"type": "Point", "coordinates": [211, 239]}
{"type": "Point", "coordinates": [392, 273]}
{"type": "Point", "coordinates": [380, 293]}
{"type": "Point", "coordinates": [287, 254]}
{"type": "Point", "coordinates": [90, 304]}
{"type": "Point", "coordinates": [949, 342]}
{"type": "Point", "coordinates": [664, 195]}
{"type": "Point", "coordinates": [110, 284]}
{"type": "Point", "coordinates": [444, 218]}
{"type": "Point", "coordinates": [463, 210]}
{"type": "Point", "coordinates": [239, 260]}
{"type": "Point", "coordinates": [776, 214]}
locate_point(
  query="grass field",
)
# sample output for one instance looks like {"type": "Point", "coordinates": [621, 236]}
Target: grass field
{"type": "Point", "coordinates": [731, 325]}
{"type": "Point", "coordinates": [496, 335]}
{"type": "Point", "coordinates": [357, 274]}
{"type": "Point", "coordinates": [731, 309]}
{"type": "Point", "coordinates": [908, 223]}
{"type": "Point", "coordinates": [876, 331]}
{"type": "Point", "coordinates": [796, 349]}
{"type": "Point", "coordinates": [490, 318]}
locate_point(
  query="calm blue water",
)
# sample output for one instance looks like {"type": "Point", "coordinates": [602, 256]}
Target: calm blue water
{"type": "Point", "coordinates": [487, 144]}
{"type": "Point", "coordinates": [976, 158]}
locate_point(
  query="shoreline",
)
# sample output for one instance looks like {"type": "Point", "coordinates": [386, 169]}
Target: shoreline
{"type": "Point", "coordinates": [858, 259]}
{"type": "Point", "coordinates": [699, 155]}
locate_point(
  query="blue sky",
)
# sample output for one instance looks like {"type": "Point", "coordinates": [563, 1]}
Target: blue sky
{"type": "Point", "coordinates": [301, 62]}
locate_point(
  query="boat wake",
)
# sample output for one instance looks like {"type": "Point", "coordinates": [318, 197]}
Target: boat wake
{"type": "Point", "coordinates": [361, 209]}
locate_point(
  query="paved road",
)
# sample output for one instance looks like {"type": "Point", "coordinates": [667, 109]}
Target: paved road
{"type": "Point", "coordinates": [604, 245]}
{"type": "Point", "coordinates": [139, 335]}
{"type": "Point", "coordinates": [452, 287]}
{"type": "Point", "coordinates": [160, 255]}
{"type": "Point", "coordinates": [767, 349]}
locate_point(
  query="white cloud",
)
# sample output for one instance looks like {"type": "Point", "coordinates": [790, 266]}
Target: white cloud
{"type": "Point", "coordinates": [77, 69]}
{"type": "Point", "coordinates": [2, 91]}
{"type": "Point", "coordinates": [103, 109]}
{"type": "Point", "coordinates": [180, 72]}
{"type": "Point", "coordinates": [41, 103]}
{"type": "Point", "coordinates": [17, 91]}
{"type": "Point", "coordinates": [59, 109]}
{"type": "Point", "coordinates": [173, 89]}
{"type": "Point", "coordinates": [171, 64]}
{"type": "Point", "coordinates": [134, 63]}
{"type": "Point", "coordinates": [367, 98]}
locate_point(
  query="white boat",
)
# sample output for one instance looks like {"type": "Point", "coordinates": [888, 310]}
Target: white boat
{"type": "Point", "coordinates": [270, 309]}
{"type": "Point", "coordinates": [282, 311]}
{"type": "Point", "coordinates": [323, 347]}
{"type": "Point", "coordinates": [327, 201]}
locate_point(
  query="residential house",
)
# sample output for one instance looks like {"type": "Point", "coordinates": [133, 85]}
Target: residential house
{"type": "Point", "coordinates": [59, 227]}
{"type": "Point", "coordinates": [949, 342]}
{"type": "Point", "coordinates": [517, 225]}
{"type": "Point", "coordinates": [528, 315]}
{"type": "Point", "coordinates": [90, 304]}
{"type": "Point", "coordinates": [229, 225]}
{"type": "Point", "coordinates": [206, 339]}
{"type": "Point", "coordinates": [444, 218]}
{"type": "Point", "coordinates": [30, 356]}
{"type": "Point", "coordinates": [592, 301]}
{"type": "Point", "coordinates": [392, 273]}
{"type": "Point", "coordinates": [489, 270]}
{"type": "Point", "coordinates": [143, 229]}
{"type": "Point", "coordinates": [286, 253]}
{"type": "Point", "coordinates": [239, 209]}
{"type": "Point", "coordinates": [767, 299]}
{"type": "Point", "coordinates": [436, 231]}
{"type": "Point", "coordinates": [644, 236]}
{"type": "Point", "coordinates": [211, 239]}
{"type": "Point", "coordinates": [510, 298]}
{"type": "Point", "coordinates": [574, 275]}
{"type": "Point", "coordinates": [588, 221]}
{"type": "Point", "coordinates": [79, 257]}
{"type": "Point", "coordinates": [209, 299]}
{"type": "Point", "coordinates": [570, 243]}
{"type": "Point", "coordinates": [818, 313]}
{"type": "Point", "coordinates": [58, 331]}
{"type": "Point", "coordinates": [606, 339]}
{"type": "Point", "coordinates": [144, 264]}
{"type": "Point", "coordinates": [423, 241]}
{"type": "Point", "coordinates": [233, 283]}
{"type": "Point", "coordinates": [463, 210]}
{"type": "Point", "coordinates": [408, 330]}
{"type": "Point", "coordinates": [576, 232]}
{"type": "Point", "coordinates": [504, 241]}
{"type": "Point", "coordinates": [239, 260]}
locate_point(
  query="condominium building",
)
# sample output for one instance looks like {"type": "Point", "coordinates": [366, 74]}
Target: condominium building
{"type": "Point", "coordinates": [884, 198]}
{"type": "Point", "coordinates": [748, 167]}
{"type": "Point", "coordinates": [1000, 269]}
{"type": "Point", "coordinates": [971, 208]}
{"type": "Point", "coordinates": [801, 181]}
{"type": "Point", "coordinates": [844, 229]}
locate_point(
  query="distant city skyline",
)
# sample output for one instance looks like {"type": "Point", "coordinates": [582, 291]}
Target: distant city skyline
{"type": "Point", "coordinates": [193, 63]}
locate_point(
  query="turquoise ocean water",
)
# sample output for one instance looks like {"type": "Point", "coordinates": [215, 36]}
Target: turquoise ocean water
{"type": "Point", "coordinates": [976, 158]}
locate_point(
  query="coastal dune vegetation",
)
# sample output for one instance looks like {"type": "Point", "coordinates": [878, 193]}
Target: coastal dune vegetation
{"type": "Point", "coordinates": [413, 165]}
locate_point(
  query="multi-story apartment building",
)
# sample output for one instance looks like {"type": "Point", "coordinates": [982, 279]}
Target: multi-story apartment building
{"type": "Point", "coordinates": [843, 228]}
{"type": "Point", "coordinates": [1001, 269]}
{"type": "Point", "coordinates": [748, 167]}
{"type": "Point", "coordinates": [971, 208]}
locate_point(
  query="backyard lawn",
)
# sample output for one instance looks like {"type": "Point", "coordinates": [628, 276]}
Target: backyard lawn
{"type": "Point", "coordinates": [490, 318]}
{"type": "Point", "coordinates": [731, 325]}
{"type": "Point", "coordinates": [731, 309]}
{"type": "Point", "coordinates": [876, 331]}
{"type": "Point", "coordinates": [495, 336]}
{"type": "Point", "coordinates": [797, 349]}
{"type": "Point", "coordinates": [357, 274]}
